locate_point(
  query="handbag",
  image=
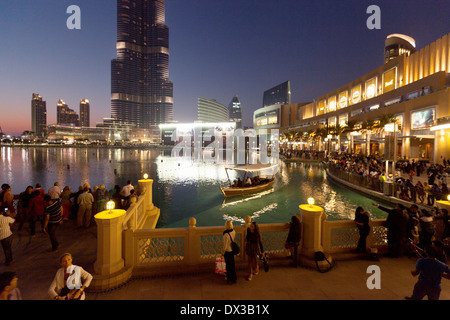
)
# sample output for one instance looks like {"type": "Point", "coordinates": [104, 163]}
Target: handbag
{"type": "Point", "coordinates": [220, 265]}
{"type": "Point", "coordinates": [265, 259]}
{"type": "Point", "coordinates": [320, 256]}
{"type": "Point", "coordinates": [234, 246]}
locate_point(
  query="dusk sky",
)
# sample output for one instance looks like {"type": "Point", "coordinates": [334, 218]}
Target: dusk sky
{"type": "Point", "coordinates": [218, 49]}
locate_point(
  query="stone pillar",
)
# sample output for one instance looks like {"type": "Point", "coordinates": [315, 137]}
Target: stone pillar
{"type": "Point", "coordinates": [146, 185]}
{"type": "Point", "coordinates": [109, 241]}
{"type": "Point", "coordinates": [152, 212]}
{"type": "Point", "coordinates": [109, 268]}
{"type": "Point", "coordinates": [312, 219]}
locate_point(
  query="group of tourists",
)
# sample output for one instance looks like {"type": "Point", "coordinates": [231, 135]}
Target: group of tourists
{"type": "Point", "coordinates": [69, 283]}
{"type": "Point", "coordinates": [254, 249]}
{"type": "Point", "coordinates": [302, 154]}
{"type": "Point", "coordinates": [412, 231]}
{"type": "Point", "coordinates": [405, 180]}
{"type": "Point", "coordinates": [250, 182]}
{"type": "Point", "coordinates": [49, 209]}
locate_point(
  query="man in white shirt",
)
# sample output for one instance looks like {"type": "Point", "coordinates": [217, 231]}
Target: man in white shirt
{"type": "Point", "coordinates": [126, 189]}
{"type": "Point", "coordinates": [55, 192]}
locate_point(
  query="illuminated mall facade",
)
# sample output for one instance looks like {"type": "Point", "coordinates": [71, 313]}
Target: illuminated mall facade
{"type": "Point", "coordinates": [413, 87]}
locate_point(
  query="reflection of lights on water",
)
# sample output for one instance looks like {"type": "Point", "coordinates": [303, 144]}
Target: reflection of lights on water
{"type": "Point", "coordinates": [184, 169]}
{"type": "Point", "coordinates": [227, 203]}
{"type": "Point", "coordinates": [253, 216]}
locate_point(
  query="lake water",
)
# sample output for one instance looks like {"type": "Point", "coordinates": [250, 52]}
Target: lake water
{"type": "Point", "coordinates": [182, 188]}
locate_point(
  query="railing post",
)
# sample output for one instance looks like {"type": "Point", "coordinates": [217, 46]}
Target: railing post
{"type": "Point", "coordinates": [109, 268]}
{"type": "Point", "coordinates": [146, 187]}
{"type": "Point", "coordinates": [193, 251]}
{"type": "Point", "coordinates": [312, 220]}
{"type": "Point", "coordinates": [151, 212]}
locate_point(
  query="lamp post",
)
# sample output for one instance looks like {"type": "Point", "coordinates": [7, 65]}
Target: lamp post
{"type": "Point", "coordinates": [393, 127]}
{"type": "Point", "coordinates": [313, 217]}
{"type": "Point", "coordinates": [329, 142]}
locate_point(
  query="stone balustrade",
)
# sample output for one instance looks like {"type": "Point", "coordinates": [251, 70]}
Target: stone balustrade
{"type": "Point", "coordinates": [130, 246]}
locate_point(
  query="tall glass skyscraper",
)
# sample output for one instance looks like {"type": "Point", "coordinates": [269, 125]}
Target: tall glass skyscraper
{"type": "Point", "coordinates": [85, 119]}
{"type": "Point", "coordinates": [235, 111]}
{"type": "Point", "coordinates": [280, 94]}
{"type": "Point", "coordinates": [141, 93]}
{"type": "Point", "coordinates": [38, 116]}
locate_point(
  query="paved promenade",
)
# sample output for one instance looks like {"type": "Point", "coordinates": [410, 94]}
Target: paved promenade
{"type": "Point", "coordinates": [36, 267]}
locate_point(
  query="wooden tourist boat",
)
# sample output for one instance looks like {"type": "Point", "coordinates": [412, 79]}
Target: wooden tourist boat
{"type": "Point", "coordinates": [231, 191]}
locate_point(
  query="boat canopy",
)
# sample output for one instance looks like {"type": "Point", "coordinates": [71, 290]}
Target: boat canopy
{"type": "Point", "coordinates": [253, 167]}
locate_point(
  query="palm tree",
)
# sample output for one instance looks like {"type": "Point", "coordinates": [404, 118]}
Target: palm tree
{"type": "Point", "coordinates": [367, 127]}
{"type": "Point", "coordinates": [338, 130]}
{"type": "Point", "coordinates": [384, 120]}
{"type": "Point", "coordinates": [349, 128]}
{"type": "Point", "coordinates": [322, 132]}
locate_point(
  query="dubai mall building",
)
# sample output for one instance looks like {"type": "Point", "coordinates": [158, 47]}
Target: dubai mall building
{"type": "Point", "coordinates": [412, 86]}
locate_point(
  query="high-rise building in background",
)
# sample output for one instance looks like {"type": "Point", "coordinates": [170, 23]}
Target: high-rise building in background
{"type": "Point", "coordinates": [66, 116]}
{"type": "Point", "coordinates": [397, 45]}
{"type": "Point", "coordinates": [141, 93]}
{"type": "Point", "coordinates": [280, 94]}
{"type": "Point", "coordinates": [85, 113]}
{"type": "Point", "coordinates": [235, 111]}
{"type": "Point", "coordinates": [38, 115]}
{"type": "Point", "coordinates": [211, 111]}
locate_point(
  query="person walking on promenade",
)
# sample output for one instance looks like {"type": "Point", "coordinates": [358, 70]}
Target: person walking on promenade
{"type": "Point", "coordinates": [430, 271]}
{"type": "Point", "coordinates": [293, 238]}
{"type": "Point", "coordinates": [8, 286]}
{"type": "Point", "coordinates": [85, 201]}
{"type": "Point", "coordinates": [413, 220]}
{"type": "Point", "coordinates": [52, 219]}
{"type": "Point", "coordinates": [433, 193]}
{"type": "Point", "coordinates": [396, 224]}
{"type": "Point", "coordinates": [70, 281]}
{"type": "Point", "coordinates": [420, 191]}
{"type": "Point", "coordinates": [362, 218]}
{"type": "Point", "coordinates": [66, 201]}
{"type": "Point", "coordinates": [253, 248]}
{"type": "Point", "coordinates": [37, 209]}
{"type": "Point", "coordinates": [228, 236]}
{"type": "Point", "coordinates": [7, 218]}
{"type": "Point", "coordinates": [55, 192]}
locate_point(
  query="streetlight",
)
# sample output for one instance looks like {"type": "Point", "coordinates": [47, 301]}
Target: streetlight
{"type": "Point", "coordinates": [329, 142]}
{"type": "Point", "coordinates": [392, 127]}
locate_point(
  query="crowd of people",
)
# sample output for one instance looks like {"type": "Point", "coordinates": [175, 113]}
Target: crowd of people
{"type": "Point", "coordinates": [254, 249]}
{"type": "Point", "coordinates": [31, 204]}
{"type": "Point", "coordinates": [34, 206]}
{"type": "Point", "coordinates": [407, 185]}
{"type": "Point", "coordinates": [412, 231]}
{"type": "Point", "coordinates": [69, 283]}
{"type": "Point", "coordinates": [250, 182]}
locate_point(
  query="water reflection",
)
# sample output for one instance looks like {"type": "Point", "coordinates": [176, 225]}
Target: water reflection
{"type": "Point", "coordinates": [182, 188]}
